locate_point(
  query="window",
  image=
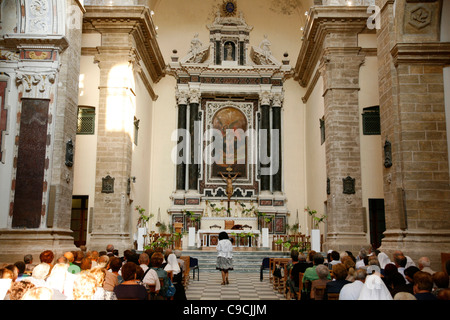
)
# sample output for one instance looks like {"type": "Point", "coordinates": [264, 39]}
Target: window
{"type": "Point", "coordinates": [371, 121]}
{"type": "Point", "coordinates": [322, 130]}
{"type": "Point", "coordinates": [86, 120]}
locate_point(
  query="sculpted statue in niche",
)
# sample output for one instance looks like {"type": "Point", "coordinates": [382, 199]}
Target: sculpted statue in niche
{"type": "Point", "coordinates": [229, 54]}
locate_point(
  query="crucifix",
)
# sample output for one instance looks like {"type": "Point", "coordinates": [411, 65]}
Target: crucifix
{"type": "Point", "coordinates": [229, 177]}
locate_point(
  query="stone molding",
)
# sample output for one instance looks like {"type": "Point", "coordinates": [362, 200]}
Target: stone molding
{"type": "Point", "coordinates": [436, 53]}
{"type": "Point", "coordinates": [323, 20]}
{"type": "Point", "coordinates": [133, 20]}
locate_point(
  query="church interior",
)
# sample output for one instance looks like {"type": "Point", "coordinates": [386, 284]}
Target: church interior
{"type": "Point", "coordinates": [124, 119]}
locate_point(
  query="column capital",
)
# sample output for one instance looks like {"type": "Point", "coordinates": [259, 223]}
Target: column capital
{"type": "Point", "coordinates": [36, 84]}
{"type": "Point", "coordinates": [194, 96]}
{"type": "Point", "coordinates": [265, 98]}
{"type": "Point", "coordinates": [182, 97]}
{"type": "Point", "coordinates": [277, 99]}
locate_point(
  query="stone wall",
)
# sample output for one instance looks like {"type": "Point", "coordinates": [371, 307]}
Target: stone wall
{"type": "Point", "coordinates": [417, 192]}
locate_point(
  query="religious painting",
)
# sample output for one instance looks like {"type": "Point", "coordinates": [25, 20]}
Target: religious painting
{"type": "Point", "coordinates": [213, 240]}
{"type": "Point", "coordinates": [233, 155]}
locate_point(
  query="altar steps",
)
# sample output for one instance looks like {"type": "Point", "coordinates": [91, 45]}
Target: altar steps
{"type": "Point", "coordinates": [243, 261]}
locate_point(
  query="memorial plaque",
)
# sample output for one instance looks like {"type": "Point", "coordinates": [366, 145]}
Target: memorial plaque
{"type": "Point", "coordinates": [29, 186]}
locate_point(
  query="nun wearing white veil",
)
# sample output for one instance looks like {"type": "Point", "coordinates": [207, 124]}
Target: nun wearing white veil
{"type": "Point", "coordinates": [383, 259]}
{"type": "Point", "coordinates": [174, 266]}
{"type": "Point", "coordinates": [374, 289]}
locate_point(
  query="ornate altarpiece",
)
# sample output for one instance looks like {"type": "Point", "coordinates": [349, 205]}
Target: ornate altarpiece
{"type": "Point", "coordinates": [229, 84]}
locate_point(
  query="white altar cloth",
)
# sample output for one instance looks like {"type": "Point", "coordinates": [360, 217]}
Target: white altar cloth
{"type": "Point", "coordinates": [204, 236]}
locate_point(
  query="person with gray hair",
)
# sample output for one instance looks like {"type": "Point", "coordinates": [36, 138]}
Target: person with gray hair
{"type": "Point", "coordinates": [352, 290]}
{"type": "Point", "coordinates": [103, 261]}
{"type": "Point", "coordinates": [323, 273]}
{"type": "Point", "coordinates": [425, 265]}
{"type": "Point", "coordinates": [362, 257]}
{"type": "Point", "coordinates": [150, 276]}
{"type": "Point", "coordinates": [28, 259]}
{"type": "Point", "coordinates": [110, 250]}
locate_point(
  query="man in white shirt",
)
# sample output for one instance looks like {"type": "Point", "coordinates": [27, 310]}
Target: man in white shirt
{"type": "Point", "coordinates": [352, 290]}
{"type": "Point", "coordinates": [150, 275]}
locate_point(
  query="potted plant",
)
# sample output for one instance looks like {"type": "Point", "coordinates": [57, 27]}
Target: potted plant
{"type": "Point", "coordinates": [142, 226]}
{"type": "Point", "coordinates": [162, 227]}
{"type": "Point", "coordinates": [143, 219]}
{"type": "Point", "coordinates": [295, 227]}
{"type": "Point", "coordinates": [315, 232]}
{"type": "Point", "coordinates": [192, 220]}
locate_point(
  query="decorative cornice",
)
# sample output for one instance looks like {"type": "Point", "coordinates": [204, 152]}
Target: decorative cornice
{"type": "Point", "coordinates": [311, 86]}
{"type": "Point", "coordinates": [133, 20]}
{"type": "Point", "coordinates": [436, 53]}
{"type": "Point", "coordinates": [56, 42]}
{"type": "Point", "coordinates": [323, 20]}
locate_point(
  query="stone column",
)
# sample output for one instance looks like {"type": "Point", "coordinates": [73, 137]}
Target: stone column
{"type": "Point", "coordinates": [340, 72]}
{"type": "Point", "coordinates": [331, 43]}
{"type": "Point", "coordinates": [277, 175]}
{"type": "Point", "coordinates": [114, 145]}
{"type": "Point", "coordinates": [182, 100]}
{"type": "Point", "coordinates": [265, 99]}
{"type": "Point", "coordinates": [195, 144]}
{"type": "Point", "coordinates": [416, 184]}
{"type": "Point", "coordinates": [44, 69]}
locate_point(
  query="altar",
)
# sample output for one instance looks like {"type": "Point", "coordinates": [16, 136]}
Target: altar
{"type": "Point", "coordinates": [239, 238]}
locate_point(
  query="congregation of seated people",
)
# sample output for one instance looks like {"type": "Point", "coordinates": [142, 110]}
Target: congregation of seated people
{"type": "Point", "coordinates": [92, 275]}
{"type": "Point", "coordinates": [371, 275]}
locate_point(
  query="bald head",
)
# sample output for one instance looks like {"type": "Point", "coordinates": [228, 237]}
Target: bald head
{"type": "Point", "coordinates": [69, 256]}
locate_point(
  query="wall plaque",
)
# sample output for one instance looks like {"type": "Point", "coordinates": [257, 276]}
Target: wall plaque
{"type": "Point", "coordinates": [108, 184]}
{"type": "Point", "coordinates": [69, 153]}
{"type": "Point", "coordinates": [387, 154]}
{"type": "Point", "coordinates": [31, 158]}
{"type": "Point", "coordinates": [349, 185]}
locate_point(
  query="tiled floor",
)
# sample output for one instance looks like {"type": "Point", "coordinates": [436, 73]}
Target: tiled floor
{"type": "Point", "coordinates": [243, 286]}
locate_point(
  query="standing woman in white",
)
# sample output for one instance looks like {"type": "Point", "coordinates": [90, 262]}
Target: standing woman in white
{"type": "Point", "coordinates": [225, 256]}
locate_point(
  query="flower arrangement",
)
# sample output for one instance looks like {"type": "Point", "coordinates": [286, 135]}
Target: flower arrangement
{"type": "Point", "coordinates": [218, 211]}
{"type": "Point", "coordinates": [247, 211]}
{"type": "Point", "coordinates": [143, 219]}
{"type": "Point", "coordinates": [161, 242]}
{"type": "Point", "coordinates": [316, 220]}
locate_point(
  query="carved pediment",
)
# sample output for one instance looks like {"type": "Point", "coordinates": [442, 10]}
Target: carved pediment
{"type": "Point", "coordinates": [200, 56]}
{"type": "Point", "coordinates": [260, 57]}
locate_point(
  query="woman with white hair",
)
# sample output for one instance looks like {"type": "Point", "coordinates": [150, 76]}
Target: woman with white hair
{"type": "Point", "coordinates": [40, 274]}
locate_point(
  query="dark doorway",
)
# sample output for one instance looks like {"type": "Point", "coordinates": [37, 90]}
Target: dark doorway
{"type": "Point", "coordinates": [377, 221]}
{"type": "Point", "coordinates": [78, 223]}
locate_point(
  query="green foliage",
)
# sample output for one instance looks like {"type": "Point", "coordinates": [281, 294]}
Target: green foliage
{"type": "Point", "coordinates": [316, 220]}
{"type": "Point", "coordinates": [143, 219]}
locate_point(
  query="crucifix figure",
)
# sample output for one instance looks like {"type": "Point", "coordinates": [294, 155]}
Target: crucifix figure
{"type": "Point", "coordinates": [229, 178]}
